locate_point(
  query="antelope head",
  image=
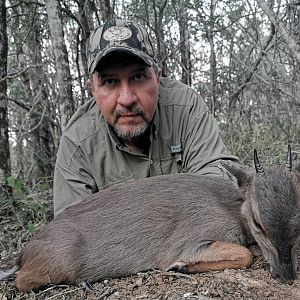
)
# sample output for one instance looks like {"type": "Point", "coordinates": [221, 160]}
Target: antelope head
{"type": "Point", "coordinates": [271, 212]}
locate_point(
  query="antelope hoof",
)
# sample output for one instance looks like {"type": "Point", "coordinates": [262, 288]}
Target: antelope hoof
{"type": "Point", "coordinates": [87, 286]}
{"type": "Point", "coordinates": [178, 267]}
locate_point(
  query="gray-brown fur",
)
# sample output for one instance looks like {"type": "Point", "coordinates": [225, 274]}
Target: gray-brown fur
{"type": "Point", "coordinates": [272, 212]}
{"type": "Point", "coordinates": [158, 222]}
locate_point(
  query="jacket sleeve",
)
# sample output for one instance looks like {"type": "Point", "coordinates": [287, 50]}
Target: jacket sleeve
{"type": "Point", "coordinates": [72, 180]}
{"type": "Point", "coordinates": [204, 148]}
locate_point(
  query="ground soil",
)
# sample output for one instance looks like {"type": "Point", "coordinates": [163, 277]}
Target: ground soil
{"type": "Point", "coordinates": [254, 283]}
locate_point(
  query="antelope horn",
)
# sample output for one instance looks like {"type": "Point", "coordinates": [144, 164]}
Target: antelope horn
{"type": "Point", "coordinates": [258, 167]}
{"type": "Point", "coordinates": [288, 162]}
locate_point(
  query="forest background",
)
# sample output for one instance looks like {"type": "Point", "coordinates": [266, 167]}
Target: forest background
{"type": "Point", "coordinates": [242, 56]}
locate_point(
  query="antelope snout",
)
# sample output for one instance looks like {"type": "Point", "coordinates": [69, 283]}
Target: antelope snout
{"type": "Point", "coordinates": [286, 273]}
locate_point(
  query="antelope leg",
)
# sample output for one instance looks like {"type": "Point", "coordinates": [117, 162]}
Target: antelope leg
{"type": "Point", "coordinates": [216, 256]}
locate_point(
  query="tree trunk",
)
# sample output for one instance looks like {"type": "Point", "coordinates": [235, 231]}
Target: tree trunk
{"type": "Point", "coordinates": [5, 167]}
{"type": "Point", "coordinates": [182, 17]}
{"type": "Point", "coordinates": [212, 59]}
{"type": "Point", "coordinates": [39, 136]}
{"type": "Point", "coordinates": [106, 10]}
{"type": "Point", "coordinates": [86, 25]}
{"type": "Point", "coordinates": [158, 8]}
{"type": "Point", "coordinates": [64, 80]}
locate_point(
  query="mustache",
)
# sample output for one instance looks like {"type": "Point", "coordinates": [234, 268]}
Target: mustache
{"type": "Point", "coordinates": [134, 110]}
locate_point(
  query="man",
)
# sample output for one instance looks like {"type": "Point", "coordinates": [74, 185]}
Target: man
{"type": "Point", "coordinates": [137, 125]}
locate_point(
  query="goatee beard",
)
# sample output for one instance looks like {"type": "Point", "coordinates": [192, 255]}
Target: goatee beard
{"type": "Point", "coordinates": [131, 134]}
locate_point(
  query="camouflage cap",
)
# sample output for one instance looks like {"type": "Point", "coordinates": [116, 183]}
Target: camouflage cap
{"type": "Point", "coordinates": [120, 36]}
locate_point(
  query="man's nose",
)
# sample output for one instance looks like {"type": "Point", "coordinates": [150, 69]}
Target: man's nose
{"type": "Point", "coordinates": [126, 95]}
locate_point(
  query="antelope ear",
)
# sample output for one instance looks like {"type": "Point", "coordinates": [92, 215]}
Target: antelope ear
{"type": "Point", "coordinates": [241, 176]}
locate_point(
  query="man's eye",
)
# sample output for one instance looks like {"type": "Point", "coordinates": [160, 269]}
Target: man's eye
{"type": "Point", "coordinates": [110, 82]}
{"type": "Point", "coordinates": [138, 77]}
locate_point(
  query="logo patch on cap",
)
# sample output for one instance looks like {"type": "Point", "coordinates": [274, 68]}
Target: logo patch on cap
{"type": "Point", "coordinates": [117, 33]}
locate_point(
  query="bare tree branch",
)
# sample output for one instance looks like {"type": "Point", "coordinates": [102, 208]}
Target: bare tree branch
{"type": "Point", "coordinates": [34, 112]}
{"type": "Point", "coordinates": [234, 96]}
{"type": "Point", "coordinates": [19, 73]}
{"type": "Point", "coordinates": [290, 42]}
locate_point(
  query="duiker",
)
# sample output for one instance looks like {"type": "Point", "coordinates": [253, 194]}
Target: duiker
{"type": "Point", "coordinates": [177, 222]}
{"type": "Point", "coordinates": [271, 211]}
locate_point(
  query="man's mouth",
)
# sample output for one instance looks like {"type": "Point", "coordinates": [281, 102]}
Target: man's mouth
{"type": "Point", "coordinates": [129, 118]}
{"type": "Point", "coordinates": [129, 115]}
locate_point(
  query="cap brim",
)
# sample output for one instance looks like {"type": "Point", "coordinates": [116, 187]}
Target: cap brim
{"type": "Point", "coordinates": [149, 61]}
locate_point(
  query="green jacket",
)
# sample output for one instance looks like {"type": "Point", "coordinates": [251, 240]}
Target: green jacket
{"type": "Point", "coordinates": [184, 138]}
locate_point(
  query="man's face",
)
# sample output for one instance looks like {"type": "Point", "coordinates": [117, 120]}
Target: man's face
{"type": "Point", "coordinates": [127, 97]}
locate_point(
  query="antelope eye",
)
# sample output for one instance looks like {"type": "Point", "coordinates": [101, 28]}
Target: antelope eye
{"type": "Point", "coordinates": [258, 226]}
